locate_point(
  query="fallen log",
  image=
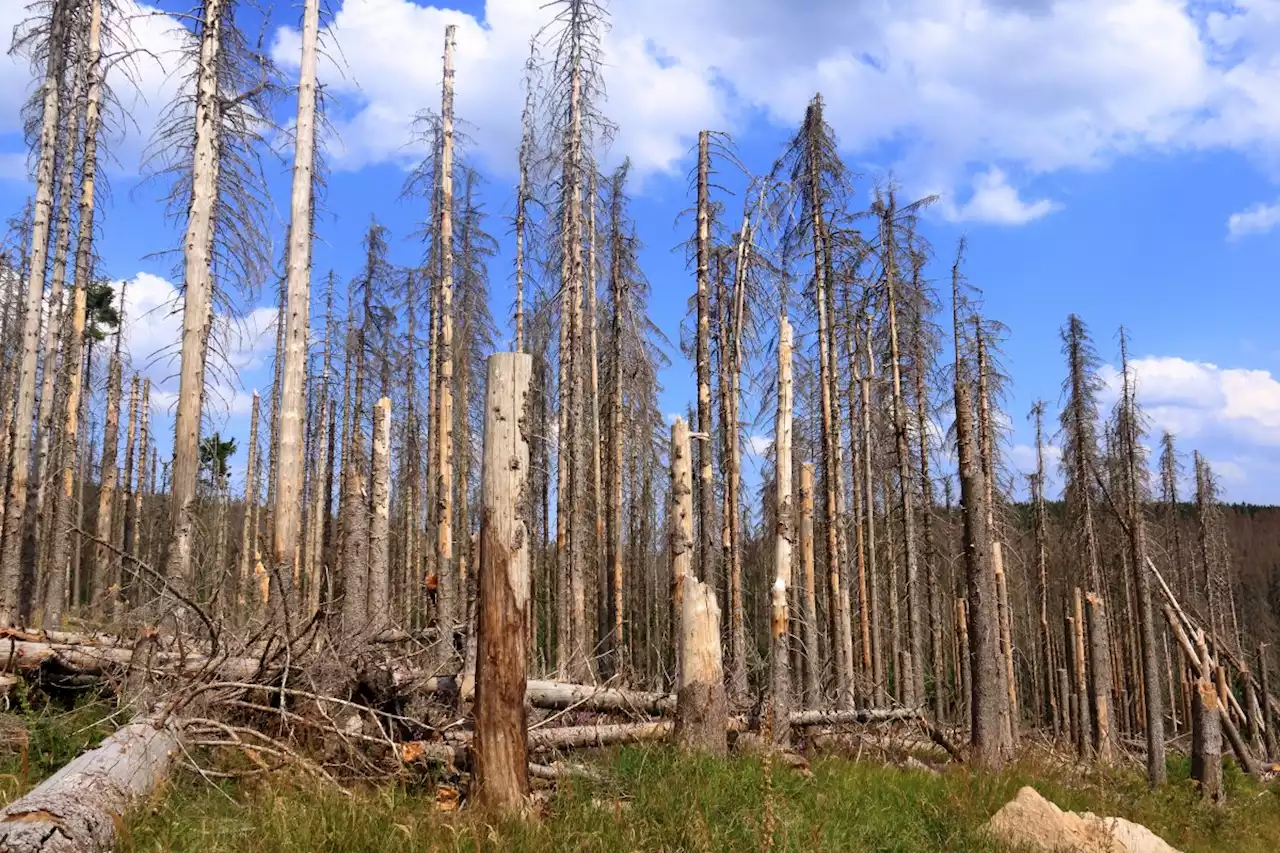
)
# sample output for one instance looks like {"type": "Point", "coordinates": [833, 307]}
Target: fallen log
{"type": "Point", "coordinates": [859, 715]}
{"type": "Point", "coordinates": [92, 659]}
{"type": "Point", "coordinates": [78, 809]}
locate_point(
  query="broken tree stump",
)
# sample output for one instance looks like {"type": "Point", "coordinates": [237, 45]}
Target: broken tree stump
{"type": "Point", "coordinates": [501, 743]}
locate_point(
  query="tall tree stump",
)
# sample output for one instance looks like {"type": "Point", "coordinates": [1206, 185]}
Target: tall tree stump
{"type": "Point", "coordinates": [1100, 677]}
{"type": "Point", "coordinates": [1206, 740]}
{"type": "Point", "coordinates": [702, 714]}
{"type": "Point", "coordinates": [501, 751]}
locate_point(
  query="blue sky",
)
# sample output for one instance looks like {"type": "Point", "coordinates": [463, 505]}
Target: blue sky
{"type": "Point", "coordinates": [1115, 158]}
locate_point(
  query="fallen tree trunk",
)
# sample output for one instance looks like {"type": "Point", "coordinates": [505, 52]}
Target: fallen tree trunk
{"type": "Point", "coordinates": [860, 715]}
{"type": "Point", "coordinates": [93, 659]}
{"type": "Point", "coordinates": [78, 809]}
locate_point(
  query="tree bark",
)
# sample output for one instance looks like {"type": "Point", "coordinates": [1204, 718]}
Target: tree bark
{"type": "Point", "coordinates": [813, 663]}
{"type": "Point", "coordinates": [501, 749]}
{"type": "Point", "coordinates": [105, 523]}
{"type": "Point", "coordinates": [784, 538]}
{"type": "Point", "coordinates": [198, 302]}
{"type": "Point", "coordinates": [379, 601]}
{"type": "Point", "coordinates": [680, 530]}
{"type": "Point", "coordinates": [286, 550]}
{"type": "Point", "coordinates": [1100, 680]}
{"type": "Point", "coordinates": [248, 525]}
{"type": "Point", "coordinates": [701, 706]}
{"type": "Point", "coordinates": [708, 568]}
{"type": "Point", "coordinates": [449, 597]}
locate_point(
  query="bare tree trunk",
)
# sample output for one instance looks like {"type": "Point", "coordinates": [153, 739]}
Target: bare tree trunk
{"type": "Point", "coordinates": [813, 663]}
{"type": "Point", "coordinates": [1084, 742]}
{"type": "Point", "coordinates": [286, 551]}
{"type": "Point", "coordinates": [36, 520]}
{"type": "Point", "coordinates": [933, 599]}
{"type": "Point", "coordinates": [1100, 682]}
{"type": "Point", "coordinates": [872, 601]}
{"type": "Point", "coordinates": [915, 623]}
{"type": "Point", "coordinates": [198, 303]}
{"type": "Point", "coordinates": [784, 538]}
{"type": "Point", "coordinates": [986, 446]}
{"type": "Point", "coordinates": [20, 448]}
{"type": "Point", "coordinates": [986, 704]}
{"type": "Point", "coordinates": [680, 530]}
{"type": "Point", "coordinates": [379, 604]}
{"type": "Point", "coordinates": [449, 598]}
{"type": "Point", "coordinates": [613, 514]}
{"type": "Point", "coordinates": [1051, 710]}
{"type": "Point", "coordinates": [248, 525]}
{"type": "Point", "coordinates": [105, 525]}
{"type": "Point", "coordinates": [127, 521]}
{"type": "Point", "coordinates": [501, 759]}
{"type": "Point", "coordinates": [708, 568]}
{"type": "Point", "coordinates": [701, 707]}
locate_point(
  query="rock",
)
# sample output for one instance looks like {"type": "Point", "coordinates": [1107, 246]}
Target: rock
{"type": "Point", "coordinates": [1033, 823]}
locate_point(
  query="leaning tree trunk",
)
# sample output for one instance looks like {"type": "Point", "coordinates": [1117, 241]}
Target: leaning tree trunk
{"type": "Point", "coordinates": [197, 310]}
{"type": "Point", "coordinates": [286, 552]}
{"type": "Point", "coordinates": [20, 447]}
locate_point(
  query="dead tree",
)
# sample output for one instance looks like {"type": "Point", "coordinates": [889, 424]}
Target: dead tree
{"type": "Point", "coordinates": [784, 538]}
{"type": "Point", "coordinates": [501, 751]}
{"type": "Point", "coordinates": [286, 551]}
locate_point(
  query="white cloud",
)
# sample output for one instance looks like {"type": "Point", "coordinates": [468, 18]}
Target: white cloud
{"type": "Point", "coordinates": [967, 91]}
{"type": "Point", "coordinates": [143, 72]}
{"type": "Point", "coordinates": [1202, 401]}
{"type": "Point", "coordinates": [1258, 219]}
{"type": "Point", "coordinates": [995, 201]}
{"type": "Point", "coordinates": [153, 327]}
{"type": "Point", "coordinates": [758, 445]}
{"type": "Point", "coordinates": [388, 69]}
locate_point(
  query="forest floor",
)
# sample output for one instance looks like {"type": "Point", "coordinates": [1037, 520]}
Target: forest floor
{"type": "Point", "coordinates": [650, 799]}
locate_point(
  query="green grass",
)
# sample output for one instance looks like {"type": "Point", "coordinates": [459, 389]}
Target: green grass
{"type": "Point", "coordinates": [37, 738]}
{"type": "Point", "coordinates": [657, 800]}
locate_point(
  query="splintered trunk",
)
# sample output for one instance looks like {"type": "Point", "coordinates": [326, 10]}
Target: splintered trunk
{"type": "Point", "coordinates": [286, 550]}
{"type": "Point", "coordinates": [20, 447]}
{"type": "Point", "coordinates": [1100, 682]}
{"type": "Point", "coordinates": [105, 524]}
{"type": "Point", "coordinates": [501, 749]}
{"type": "Point", "coordinates": [248, 528]}
{"type": "Point", "coordinates": [197, 311]}
{"type": "Point", "coordinates": [449, 596]}
{"type": "Point", "coordinates": [812, 662]}
{"type": "Point", "coordinates": [784, 539]}
{"type": "Point", "coordinates": [680, 531]}
{"type": "Point", "coordinates": [380, 526]}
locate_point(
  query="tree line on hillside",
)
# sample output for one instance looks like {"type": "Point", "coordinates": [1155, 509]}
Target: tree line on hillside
{"type": "Point", "coordinates": [916, 578]}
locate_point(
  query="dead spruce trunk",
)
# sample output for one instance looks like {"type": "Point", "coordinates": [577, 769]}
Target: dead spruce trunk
{"type": "Point", "coordinates": [784, 539]}
{"type": "Point", "coordinates": [501, 748]}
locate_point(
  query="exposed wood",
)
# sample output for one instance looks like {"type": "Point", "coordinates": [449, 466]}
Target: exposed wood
{"type": "Point", "coordinates": [501, 751]}
{"type": "Point", "coordinates": [812, 659]}
{"type": "Point", "coordinates": [379, 606]}
{"type": "Point", "coordinates": [450, 599]}
{"type": "Point", "coordinates": [701, 705]}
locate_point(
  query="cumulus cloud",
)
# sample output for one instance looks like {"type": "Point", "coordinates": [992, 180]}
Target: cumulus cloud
{"type": "Point", "coordinates": [995, 201]}
{"type": "Point", "coordinates": [1258, 219]}
{"type": "Point", "coordinates": [1196, 400]}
